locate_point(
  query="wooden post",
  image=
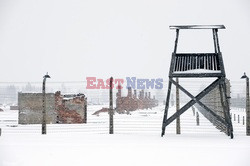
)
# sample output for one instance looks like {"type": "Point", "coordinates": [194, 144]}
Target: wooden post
{"type": "Point", "coordinates": [234, 117]}
{"type": "Point", "coordinates": [238, 118]}
{"type": "Point", "coordinates": [243, 120]}
{"type": "Point", "coordinates": [197, 119]}
{"type": "Point", "coordinates": [0, 132]}
{"type": "Point", "coordinates": [178, 125]}
{"type": "Point", "coordinates": [111, 113]}
{"type": "Point", "coordinates": [172, 100]}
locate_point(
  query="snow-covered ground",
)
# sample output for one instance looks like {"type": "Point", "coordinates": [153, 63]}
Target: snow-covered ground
{"type": "Point", "coordinates": [136, 141]}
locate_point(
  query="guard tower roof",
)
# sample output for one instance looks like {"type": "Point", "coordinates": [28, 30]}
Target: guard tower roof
{"type": "Point", "coordinates": [197, 27]}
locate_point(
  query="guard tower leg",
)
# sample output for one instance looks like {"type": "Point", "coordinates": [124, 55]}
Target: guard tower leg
{"type": "Point", "coordinates": [165, 117]}
{"type": "Point", "coordinates": [166, 108]}
{"type": "Point", "coordinates": [226, 108]}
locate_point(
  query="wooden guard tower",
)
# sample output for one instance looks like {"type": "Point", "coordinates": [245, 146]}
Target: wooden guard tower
{"type": "Point", "coordinates": [201, 65]}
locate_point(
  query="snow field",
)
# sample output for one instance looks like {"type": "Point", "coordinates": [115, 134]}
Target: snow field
{"type": "Point", "coordinates": [136, 141]}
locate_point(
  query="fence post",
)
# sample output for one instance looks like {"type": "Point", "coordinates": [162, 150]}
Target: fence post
{"type": "Point", "coordinates": [85, 111]}
{"type": "Point", "coordinates": [197, 119]}
{"type": "Point", "coordinates": [0, 132]}
{"type": "Point", "coordinates": [238, 118]}
{"type": "Point", "coordinates": [178, 125]}
{"type": "Point", "coordinates": [234, 117]}
{"type": "Point", "coordinates": [111, 112]}
{"type": "Point", "coordinates": [243, 120]}
{"type": "Point", "coordinates": [44, 116]}
{"type": "Point", "coordinates": [247, 108]}
{"type": "Point", "coordinates": [193, 109]}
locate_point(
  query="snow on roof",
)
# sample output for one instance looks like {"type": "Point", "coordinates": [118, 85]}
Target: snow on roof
{"type": "Point", "coordinates": [72, 96]}
{"type": "Point", "coordinates": [67, 98]}
{"type": "Point", "coordinates": [195, 71]}
{"type": "Point", "coordinates": [197, 27]}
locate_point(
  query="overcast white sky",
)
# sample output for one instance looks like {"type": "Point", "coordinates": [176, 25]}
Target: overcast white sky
{"type": "Point", "coordinates": [75, 39]}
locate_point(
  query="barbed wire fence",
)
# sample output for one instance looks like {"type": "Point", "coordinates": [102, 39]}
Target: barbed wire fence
{"type": "Point", "coordinates": [142, 121]}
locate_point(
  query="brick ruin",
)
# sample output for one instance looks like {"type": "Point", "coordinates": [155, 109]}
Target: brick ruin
{"type": "Point", "coordinates": [133, 102]}
{"type": "Point", "coordinates": [71, 108]}
{"type": "Point", "coordinates": [62, 109]}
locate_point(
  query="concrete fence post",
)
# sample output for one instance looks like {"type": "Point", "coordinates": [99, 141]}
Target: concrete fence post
{"type": "Point", "coordinates": [197, 119]}
{"type": "Point", "coordinates": [193, 109]}
{"type": "Point", "coordinates": [85, 112]}
{"type": "Point", "coordinates": [247, 108]}
{"type": "Point", "coordinates": [111, 112]}
{"type": "Point", "coordinates": [44, 116]}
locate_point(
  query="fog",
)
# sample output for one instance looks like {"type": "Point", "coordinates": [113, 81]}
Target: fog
{"type": "Point", "coordinates": [76, 39]}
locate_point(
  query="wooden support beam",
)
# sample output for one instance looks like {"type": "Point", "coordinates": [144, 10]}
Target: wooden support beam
{"type": "Point", "coordinates": [206, 91]}
{"type": "Point", "coordinates": [190, 103]}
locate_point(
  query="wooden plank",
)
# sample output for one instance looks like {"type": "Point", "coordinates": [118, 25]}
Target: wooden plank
{"type": "Point", "coordinates": [199, 75]}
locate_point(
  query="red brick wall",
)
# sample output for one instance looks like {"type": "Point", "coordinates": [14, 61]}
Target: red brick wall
{"type": "Point", "coordinates": [132, 103]}
{"type": "Point", "coordinates": [70, 110]}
